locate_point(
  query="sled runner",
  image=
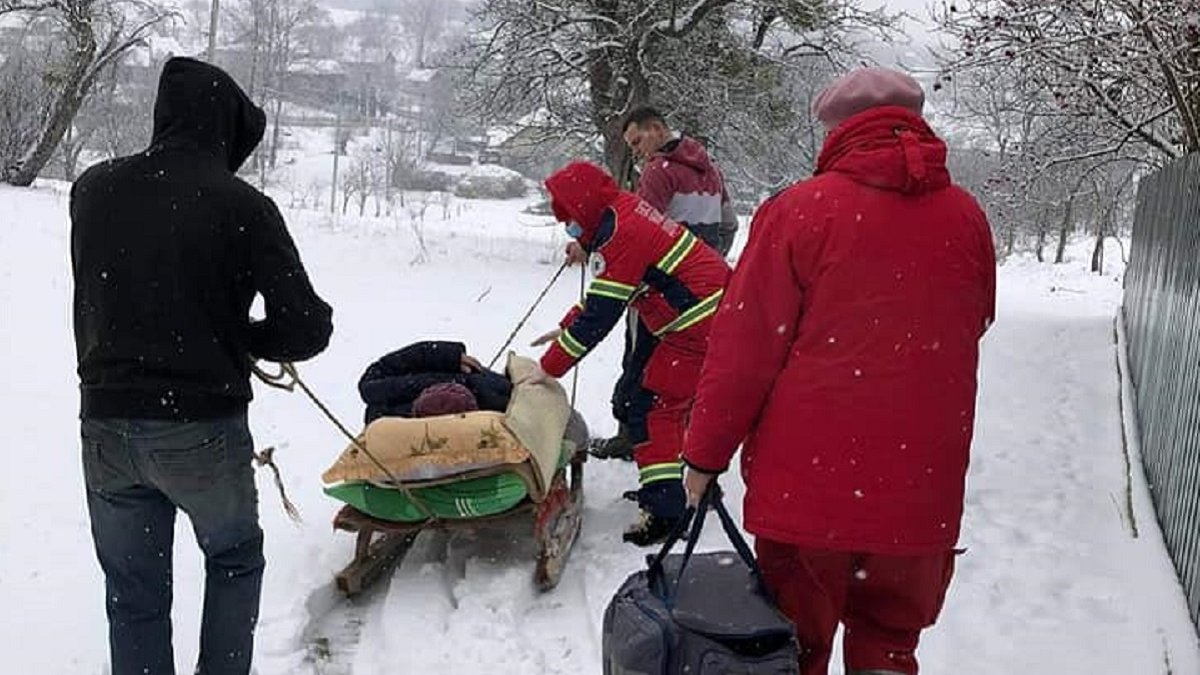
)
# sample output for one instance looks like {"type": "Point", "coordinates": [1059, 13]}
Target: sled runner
{"type": "Point", "coordinates": [405, 475]}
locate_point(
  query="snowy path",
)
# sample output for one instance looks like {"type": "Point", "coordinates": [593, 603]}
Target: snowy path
{"type": "Point", "coordinates": [1052, 583]}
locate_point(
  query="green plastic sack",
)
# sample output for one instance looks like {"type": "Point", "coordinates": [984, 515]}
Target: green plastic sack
{"type": "Point", "coordinates": [472, 498]}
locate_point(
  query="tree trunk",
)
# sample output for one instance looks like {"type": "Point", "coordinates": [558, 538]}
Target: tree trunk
{"type": "Point", "coordinates": [608, 113]}
{"type": "Point", "coordinates": [62, 113]}
{"type": "Point", "coordinates": [1041, 244]}
{"type": "Point", "coordinates": [1060, 251]}
{"type": "Point", "coordinates": [615, 86]}
{"type": "Point", "coordinates": [275, 132]}
{"type": "Point", "coordinates": [1098, 253]}
{"type": "Point", "coordinates": [213, 21]}
{"type": "Point", "coordinates": [69, 152]}
{"type": "Point", "coordinates": [1064, 231]}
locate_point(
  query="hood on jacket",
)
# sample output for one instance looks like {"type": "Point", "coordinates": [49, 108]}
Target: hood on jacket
{"type": "Point", "coordinates": [888, 147]}
{"type": "Point", "coordinates": [200, 106]}
{"type": "Point", "coordinates": [687, 151]}
{"type": "Point", "coordinates": [580, 192]}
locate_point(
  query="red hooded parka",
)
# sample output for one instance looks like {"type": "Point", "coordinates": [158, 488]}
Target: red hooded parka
{"type": "Point", "coordinates": [844, 353]}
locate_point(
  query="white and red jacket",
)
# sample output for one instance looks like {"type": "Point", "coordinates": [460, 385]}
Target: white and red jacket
{"type": "Point", "coordinates": [643, 259]}
{"type": "Point", "coordinates": [845, 351]}
{"type": "Point", "coordinates": [681, 181]}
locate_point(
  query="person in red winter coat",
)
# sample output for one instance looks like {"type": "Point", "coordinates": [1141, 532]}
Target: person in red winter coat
{"type": "Point", "coordinates": [680, 180]}
{"type": "Point", "coordinates": [645, 260]}
{"type": "Point", "coordinates": [844, 356]}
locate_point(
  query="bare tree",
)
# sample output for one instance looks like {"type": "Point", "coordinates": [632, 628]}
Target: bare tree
{"type": "Point", "coordinates": [586, 63]}
{"type": "Point", "coordinates": [1034, 161]}
{"type": "Point", "coordinates": [274, 34]}
{"type": "Point", "coordinates": [1134, 64]}
{"type": "Point", "coordinates": [402, 160]}
{"type": "Point", "coordinates": [366, 177]}
{"type": "Point", "coordinates": [423, 22]}
{"type": "Point", "coordinates": [115, 119]}
{"type": "Point", "coordinates": [25, 97]}
{"type": "Point", "coordinates": [95, 33]}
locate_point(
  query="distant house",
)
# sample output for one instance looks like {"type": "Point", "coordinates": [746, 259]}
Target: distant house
{"type": "Point", "coordinates": [534, 146]}
{"type": "Point", "coordinates": [445, 151]}
{"type": "Point", "coordinates": [316, 82]}
{"type": "Point", "coordinates": [364, 89]}
{"type": "Point", "coordinates": [371, 85]}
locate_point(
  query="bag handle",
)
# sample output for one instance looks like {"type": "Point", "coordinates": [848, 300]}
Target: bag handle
{"type": "Point", "coordinates": [711, 499]}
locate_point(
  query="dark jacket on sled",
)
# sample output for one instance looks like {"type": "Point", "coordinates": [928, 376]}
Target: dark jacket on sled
{"type": "Point", "coordinates": [391, 384]}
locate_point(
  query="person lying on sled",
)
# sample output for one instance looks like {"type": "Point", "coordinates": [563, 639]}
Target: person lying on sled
{"type": "Point", "coordinates": [643, 259]}
{"type": "Point", "coordinates": [431, 378]}
{"type": "Point", "coordinates": [392, 385]}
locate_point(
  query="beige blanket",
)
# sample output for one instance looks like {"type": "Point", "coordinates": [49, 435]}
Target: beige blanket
{"type": "Point", "coordinates": [416, 450]}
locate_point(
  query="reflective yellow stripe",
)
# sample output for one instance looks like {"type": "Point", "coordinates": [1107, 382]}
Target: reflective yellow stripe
{"type": "Point", "coordinates": [699, 312]}
{"type": "Point", "coordinates": [611, 289]}
{"type": "Point", "coordinates": [656, 472]}
{"type": "Point", "coordinates": [571, 345]}
{"type": "Point", "coordinates": [669, 262]}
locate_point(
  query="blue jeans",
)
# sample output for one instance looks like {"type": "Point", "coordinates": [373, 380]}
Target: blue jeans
{"type": "Point", "coordinates": [138, 472]}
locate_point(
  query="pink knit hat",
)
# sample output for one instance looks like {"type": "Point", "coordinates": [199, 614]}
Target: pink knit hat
{"type": "Point", "coordinates": [447, 398]}
{"type": "Point", "coordinates": [863, 89]}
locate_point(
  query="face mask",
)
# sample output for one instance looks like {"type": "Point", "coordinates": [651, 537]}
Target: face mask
{"type": "Point", "coordinates": [574, 230]}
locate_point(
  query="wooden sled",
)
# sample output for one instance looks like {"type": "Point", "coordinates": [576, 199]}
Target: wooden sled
{"type": "Point", "coordinates": [556, 520]}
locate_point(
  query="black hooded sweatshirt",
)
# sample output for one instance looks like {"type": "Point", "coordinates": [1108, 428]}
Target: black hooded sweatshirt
{"type": "Point", "coordinates": [169, 248]}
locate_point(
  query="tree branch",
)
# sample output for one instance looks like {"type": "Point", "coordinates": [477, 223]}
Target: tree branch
{"type": "Point", "coordinates": [11, 6]}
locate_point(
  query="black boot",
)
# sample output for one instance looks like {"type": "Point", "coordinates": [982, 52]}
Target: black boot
{"type": "Point", "coordinates": [649, 529]}
{"type": "Point", "coordinates": [662, 507]}
{"type": "Point", "coordinates": [617, 447]}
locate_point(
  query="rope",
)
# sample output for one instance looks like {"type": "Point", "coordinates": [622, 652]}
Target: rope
{"type": "Point", "coordinates": [513, 335]}
{"type": "Point", "coordinates": [287, 379]}
{"type": "Point", "coordinates": [582, 295]}
{"type": "Point", "coordinates": [267, 458]}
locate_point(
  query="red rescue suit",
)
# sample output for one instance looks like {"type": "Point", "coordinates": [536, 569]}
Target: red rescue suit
{"type": "Point", "coordinates": [675, 282]}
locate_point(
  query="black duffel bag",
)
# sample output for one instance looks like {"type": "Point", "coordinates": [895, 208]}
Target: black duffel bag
{"type": "Point", "coordinates": [699, 614]}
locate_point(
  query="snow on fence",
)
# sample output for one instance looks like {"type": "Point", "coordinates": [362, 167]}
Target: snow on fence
{"type": "Point", "coordinates": [1162, 322]}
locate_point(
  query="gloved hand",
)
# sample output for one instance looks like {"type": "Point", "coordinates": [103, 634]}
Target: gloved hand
{"type": "Point", "coordinates": [575, 254]}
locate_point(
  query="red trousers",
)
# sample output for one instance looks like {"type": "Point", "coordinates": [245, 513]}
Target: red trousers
{"type": "Point", "coordinates": [663, 404]}
{"type": "Point", "coordinates": [884, 601]}
{"type": "Point", "coordinates": [665, 424]}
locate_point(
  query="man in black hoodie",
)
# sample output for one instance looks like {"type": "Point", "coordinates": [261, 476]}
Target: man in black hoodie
{"type": "Point", "coordinates": [169, 248]}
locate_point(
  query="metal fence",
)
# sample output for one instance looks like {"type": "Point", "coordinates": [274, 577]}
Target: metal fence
{"type": "Point", "coordinates": [1162, 322]}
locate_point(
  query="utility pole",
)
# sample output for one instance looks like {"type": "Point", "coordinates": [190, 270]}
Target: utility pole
{"type": "Point", "coordinates": [212, 31]}
{"type": "Point", "coordinates": [388, 170]}
{"type": "Point", "coordinates": [337, 134]}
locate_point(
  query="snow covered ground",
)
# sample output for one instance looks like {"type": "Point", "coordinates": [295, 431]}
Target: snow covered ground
{"type": "Point", "coordinates": [1053, 581]}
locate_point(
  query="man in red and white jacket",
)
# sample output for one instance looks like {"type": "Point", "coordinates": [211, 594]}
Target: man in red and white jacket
{"type": "Point", "coordinates": [645, 260]}
{"type": "Point", "coordinates": [844, 355]}
{"type": "Point", "coordinates": [680, 180]}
